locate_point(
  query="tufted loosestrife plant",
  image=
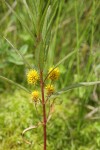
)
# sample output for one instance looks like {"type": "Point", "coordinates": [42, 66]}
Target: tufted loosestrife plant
{"type": "Point", "coordinates": [43, 16]}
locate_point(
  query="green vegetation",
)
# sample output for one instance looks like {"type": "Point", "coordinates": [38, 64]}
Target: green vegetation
{"type": "Point", "coordinates": [70, 38]}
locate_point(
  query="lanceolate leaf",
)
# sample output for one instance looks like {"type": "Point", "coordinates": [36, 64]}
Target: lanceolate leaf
{"type": "Point", "coordinates": [53, 12]}
{"type": "Point", "coordinates": [30, 14]}
{"type": "Point", "coordinates": [14, 83]}
{"type": "Point", "coordinates": [77, 85]}
{"type": "Point", "coordinates": [47, 17]}
{"type": "Point", "coordinates": [57, 7]}
{"type": "Point", "coordinates": [44, 14]}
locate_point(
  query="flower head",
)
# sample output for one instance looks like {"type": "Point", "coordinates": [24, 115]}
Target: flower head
{"type": "Point", "coordinates": [53, 74]}
{"type": "Point", "coordinates": [32, 77]}
{"type": "Point", "coordinates": [35, 95]}
{"type": "Point", "coordinates": [50, 89]}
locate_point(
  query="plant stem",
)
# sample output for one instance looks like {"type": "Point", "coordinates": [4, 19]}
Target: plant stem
{"type": "Point", "coordinates": [44, 108]}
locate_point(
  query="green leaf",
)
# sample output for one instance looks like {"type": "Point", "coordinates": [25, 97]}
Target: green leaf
{"type": "Point", "coordinates": [30, 14]}
{"type": "Point", "coordinates": [29, 56]}
{"type": "Point", "coordinates": [77, 85]}
{"type": "Point", "coordinates": [15, 59]}
{"type": "Point", "coordinates": [56, 5]}
{"type": "Point", "coordinates": [44, 14]}
{"type": "Point", "coordinates": [23, 49]}
{"type": "Point", "coordinates": [18, 52]}
{"type": "Point", "coordinates": [14, 83]}
{"type": "Point", "coordinates": [53, 13]}
{"type": "Point", "coordinates": [45, 25]}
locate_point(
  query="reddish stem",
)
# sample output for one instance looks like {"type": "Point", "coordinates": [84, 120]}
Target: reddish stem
{"type": "Point", "coordinates": [44, 108]}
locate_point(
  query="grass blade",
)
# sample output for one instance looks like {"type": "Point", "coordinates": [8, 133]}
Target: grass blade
{"type": "Point", "coordinates": [8, 13]}
{"type": "Point", "coordinates": [14, 83]}
{"type": "Point", "coordinates": [65, 58]}
{"type": "Point", "coordinates": [21, 20]}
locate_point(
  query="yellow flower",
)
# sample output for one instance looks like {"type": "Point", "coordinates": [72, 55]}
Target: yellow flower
{"type": "Point", "coordinates": [32, 77]}
{"type": "Point", "coordinates": [35, 95]}
{"type": "Point", "coordinates": [54, 74]}
{"type": "Point", "coordinates": [50, 89]}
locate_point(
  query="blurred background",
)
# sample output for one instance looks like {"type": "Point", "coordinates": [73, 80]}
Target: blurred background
{"type": "Point", "coordinates": [75, 125]}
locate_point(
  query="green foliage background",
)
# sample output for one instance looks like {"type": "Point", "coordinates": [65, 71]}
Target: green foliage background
{"type": "Point", "coordinates": [75, 125]}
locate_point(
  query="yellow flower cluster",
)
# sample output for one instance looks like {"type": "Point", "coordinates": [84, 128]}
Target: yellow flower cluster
{"type": "Point", "coordinates": [53, 74]}
{"type": "Point", "coordinates": [50, 89]}
{"type": "Point", "coordinates": [35, 96]}
{"type": "Point", "coordinates": [32, 77]}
